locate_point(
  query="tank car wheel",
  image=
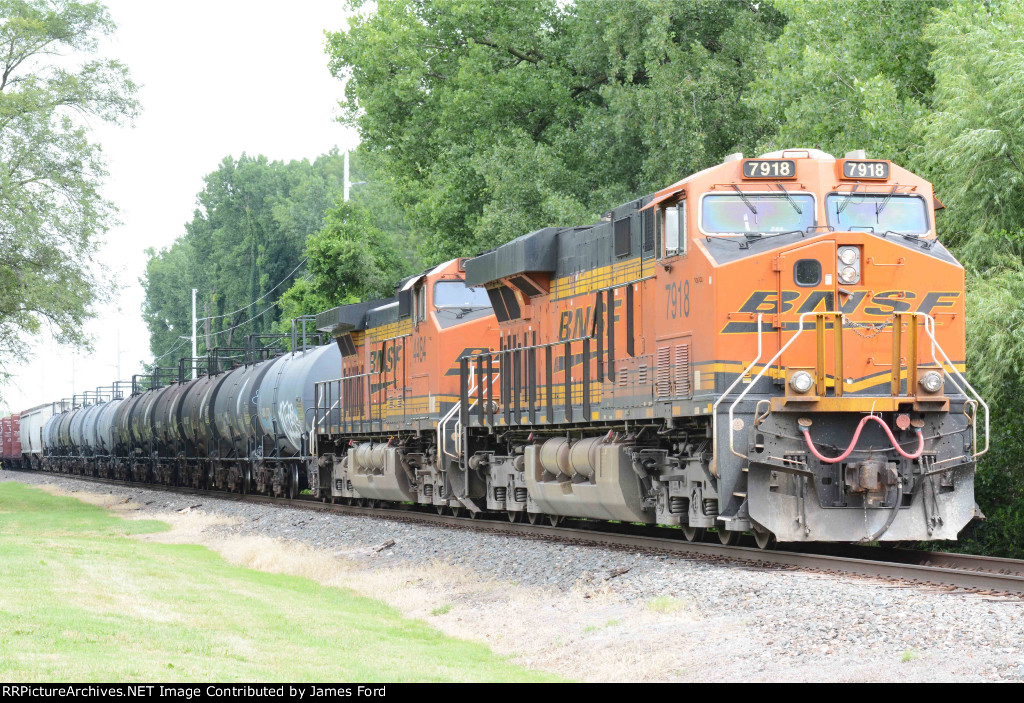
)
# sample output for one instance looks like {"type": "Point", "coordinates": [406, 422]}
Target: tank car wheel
{"type": "Point", "coordinates": [440, 509]}
{"type": "Point", "coordinates": [534, 518]}
{"type": "Point", "coordinates": [293, 483]}
{"type": "Point", "coordinates": [729, 538]}
{"type": "Point", "coordinates": [458, 512]}
{"type": "Point", "coordinates": [764, 539]}
{"type": "Point", "coordinates": [693, 534]}
{"type": "Point", "coordinates": [555, 520]}
{"type": "Point", "coordinates": [515, 515]}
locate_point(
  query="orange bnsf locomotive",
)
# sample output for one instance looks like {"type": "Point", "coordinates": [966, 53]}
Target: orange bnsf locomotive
{"type": "Point", "coordinates": [772, 345]}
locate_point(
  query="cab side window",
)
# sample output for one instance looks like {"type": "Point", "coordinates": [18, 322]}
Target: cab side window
{"type": "Point", "coordinates": [675, 229]}
{"type": "Point", "coordinates": [420, 304]}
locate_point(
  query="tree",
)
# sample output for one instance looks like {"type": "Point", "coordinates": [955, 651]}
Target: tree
{"type": "Point", "coordinates": [244, 247]}
{"type": "Point", "coordinates": [52, 215]}
{"type": "Point", "coordinates": [493, 119]}
{"type": "Point", "coordinates": [973, 150]}
{"type": "Point", "coordinates": [848, 75]}
{"type": "Point", "coordinates": [349, 260]}
{"type": "Point", "coordinates": [974, 137]}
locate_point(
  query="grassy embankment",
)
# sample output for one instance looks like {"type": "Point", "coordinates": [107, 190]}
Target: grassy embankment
{"type": "Point", "coordinates": [80, 600]}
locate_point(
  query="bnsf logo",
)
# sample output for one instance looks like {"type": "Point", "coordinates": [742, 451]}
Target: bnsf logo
{"type": "Point", "coordinates": [882, 304]}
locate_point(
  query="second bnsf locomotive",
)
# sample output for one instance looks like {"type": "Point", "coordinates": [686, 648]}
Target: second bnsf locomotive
{"type": "Point", "coordinates": [773, 345]}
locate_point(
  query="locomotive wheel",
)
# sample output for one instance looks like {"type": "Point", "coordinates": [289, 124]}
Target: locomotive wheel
{"type": "Point", "coordinates": [534, 518]}
{"type": "Point", "coordinates": [729, 538]}
{"type": "Point", "coordinates": [765, 539]}
{"type": "Point", "coordinates": [693, 534]}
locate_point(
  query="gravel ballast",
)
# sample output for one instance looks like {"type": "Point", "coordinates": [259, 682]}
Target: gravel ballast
{"type": "Point", "coordinates": [697, 620]}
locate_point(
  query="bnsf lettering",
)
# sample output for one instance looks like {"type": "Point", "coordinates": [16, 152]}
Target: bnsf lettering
{"type": "Point", "coordinates": [384, 361]}
{"type": "Point", "coordinates": [578, 322]}
{"type": "Point", "coordinates": [881, 304]}
{"type": "Point", "coordinates": [889, 302]}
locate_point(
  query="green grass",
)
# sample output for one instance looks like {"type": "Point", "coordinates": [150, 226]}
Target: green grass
{"type": "Point", "coordinates": [442, 609]}
{"type": "Point", "coordinates": [666, 604]}
{"type": "Point", "coordinates": [82, 601]}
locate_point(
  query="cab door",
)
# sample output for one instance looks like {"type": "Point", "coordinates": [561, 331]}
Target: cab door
{"type": "Point", "coordinates": [806, 284]}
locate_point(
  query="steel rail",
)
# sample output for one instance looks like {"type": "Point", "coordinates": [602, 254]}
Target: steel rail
{"type": "Point", "coordinates": [963, 571]}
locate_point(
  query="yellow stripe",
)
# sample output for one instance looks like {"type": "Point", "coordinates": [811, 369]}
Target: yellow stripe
{"type": "Point", "coordinates": [619, 273]}
{"type": "Point", "coordinates": [392, 330]}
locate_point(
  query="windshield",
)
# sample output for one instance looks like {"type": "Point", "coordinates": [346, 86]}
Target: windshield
{"type": "Point", "coordinates": [456, 294]}
{"type": "Point", "coordinates": [881, 211]}
{"type": "Point", "coordinates": [756, 213]}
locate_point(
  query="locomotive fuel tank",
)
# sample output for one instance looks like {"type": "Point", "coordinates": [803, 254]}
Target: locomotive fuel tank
{"type": "Point", "coordinates": [378, 471]}
{"type": "Point", "coordinates": [591, 477]}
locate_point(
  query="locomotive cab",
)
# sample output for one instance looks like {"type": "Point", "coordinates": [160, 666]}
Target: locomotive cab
{"type": "Point", "coordinates": [385, 426]}
{"type": "Point", "coordinates": [840, 408]}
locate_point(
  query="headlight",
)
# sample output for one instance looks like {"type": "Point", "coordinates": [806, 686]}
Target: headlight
{"type": "Point", "coordinates": [801, 381]}
{"type": "Point", "coordinates": [932, 382]}
{"type": "Point", "coordinates": [848, 275]}
{"type": "Point", "coordinates": [848, 256]}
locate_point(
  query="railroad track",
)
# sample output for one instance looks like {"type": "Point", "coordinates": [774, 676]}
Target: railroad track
{"type": "Point", "coordinates": [986, 575]}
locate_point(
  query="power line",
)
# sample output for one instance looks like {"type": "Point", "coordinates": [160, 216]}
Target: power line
{"type": "Point", "coordinates": [181, 341]}
{"type": "Point", "coordinates": [215, 334]}
{"type": "Point", "coordinates": [229, 314]}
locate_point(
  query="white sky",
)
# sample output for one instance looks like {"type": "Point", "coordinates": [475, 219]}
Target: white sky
{"type": "Point", "coordinates": [218, 77]}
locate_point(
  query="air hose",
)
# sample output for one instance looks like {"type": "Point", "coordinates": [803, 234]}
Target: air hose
{"type": "Point", "coordinates": [853, 445]}
{"type": "Point", "coordinates": [856, 435]}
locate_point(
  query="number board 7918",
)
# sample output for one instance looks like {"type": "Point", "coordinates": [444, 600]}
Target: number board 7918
{"type": "Point", "coordinates": [773, 169]}
{"type": "Point", "coordinates": [876, 170]}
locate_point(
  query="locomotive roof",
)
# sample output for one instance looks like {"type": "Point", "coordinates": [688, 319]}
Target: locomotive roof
{"type": "Point", "coordinates": [348, 318]}
{"type": "Point", "coordinates": [566, 250]}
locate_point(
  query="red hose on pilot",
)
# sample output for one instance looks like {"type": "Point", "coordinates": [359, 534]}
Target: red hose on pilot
{"type": "Point", "coordinates": [856, 435]}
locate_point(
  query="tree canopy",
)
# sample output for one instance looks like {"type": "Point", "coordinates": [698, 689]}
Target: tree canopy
{"type": "Point", "coordinates": [497, 118]}
{"type": "Point", "coordinates": [52, 87]}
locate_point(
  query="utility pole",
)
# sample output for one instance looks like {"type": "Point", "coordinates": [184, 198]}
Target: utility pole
{"type": "Point", "coordinates": [348, 181]}
{"type": "Point", "coordinates": [348, 185]}
{"type": "Point", "coordinates": [194, 348]}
